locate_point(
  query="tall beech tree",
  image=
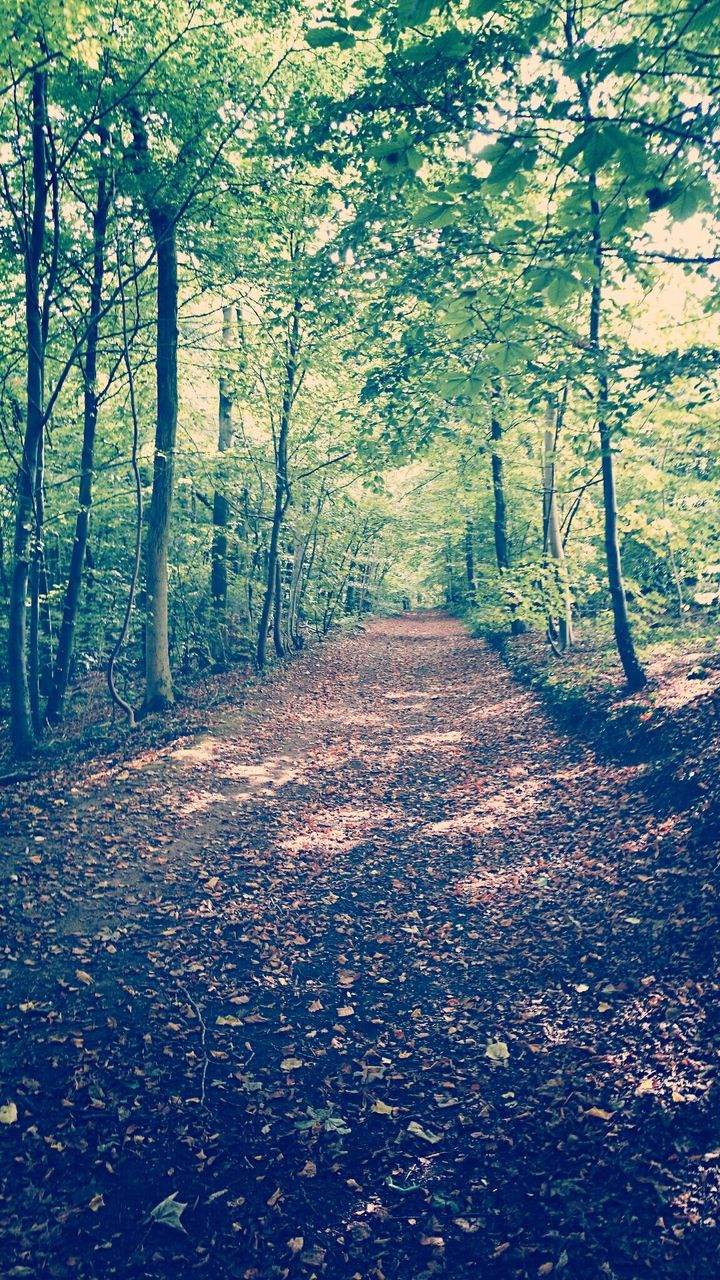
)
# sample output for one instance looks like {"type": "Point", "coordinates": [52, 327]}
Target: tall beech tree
{"type": "Point", "coordinates": [163, 217]}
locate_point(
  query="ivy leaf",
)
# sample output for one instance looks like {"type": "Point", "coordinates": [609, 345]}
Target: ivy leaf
{"type": "Point", "coordinates": [169, 1212]}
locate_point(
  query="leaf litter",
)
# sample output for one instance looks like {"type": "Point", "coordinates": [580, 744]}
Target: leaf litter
{"type": "Point", "coordinates": [386, 978]}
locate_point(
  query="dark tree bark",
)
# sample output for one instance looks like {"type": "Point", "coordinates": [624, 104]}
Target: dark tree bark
{"type": "Point", "coordinates": [277, 613]}
{"type": "Point", "coordinates": [61, 673]}
{"type": "Point", "coordinates": [552, 539]}
{"type": "Point", "coordinates": [470, 562]}
{"type": "Point", "coordinates": [281, 480]}
{"type": "Point", "coordinates": [36, 577]}
{"type": "Point", "coordinates": [634, 673]}
{"type": "Point", "coordinates": [221, 506]}
{"type": "Point", "coordinates": [502, 542]}
{"type": "Point", "coordinates": [158, 676]}
{"type": "Point", "coordinates": [163, 221]}
{"type": "Point", "coordinates": [21, 718]}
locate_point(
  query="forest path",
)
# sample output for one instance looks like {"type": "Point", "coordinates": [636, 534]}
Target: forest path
{"type": "Point", "coordinates": [383, 976]}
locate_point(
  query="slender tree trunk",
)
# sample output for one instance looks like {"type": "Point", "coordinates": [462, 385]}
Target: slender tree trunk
{"type": "Point", "coordinates": [297, 637]}
{"type": "Point", "coordinates": [450, 587]}
{"type": "Point", "coordinates": [21, 718]}
{"type": "Point", "coordinates": [351, 590]}
{"type": "Point", "coordinates": [221, 506]}
{"type": "Point", "coordinates": [158, 676]}
{"type": "Point", "coordinates": [281, 481]}
{"type": "Point", "coordinates": [470, 562]}
{"type": "Point", "coordinates": [301, 546]}
{"type": "Point", "coordinates": [36, 565]}
{"type": "Point", "coordinates": [66, 638]}
{"type": "Point", "coordinates": [277, 613]}
{"type": "Point", "coordinates": [551, 524]}
{"type": "Point", "coordinates": [634, 673]}
{"type": "Point", "coordinates": [502, 543]}
{"type": "Point", "coordinates": [623, 634]}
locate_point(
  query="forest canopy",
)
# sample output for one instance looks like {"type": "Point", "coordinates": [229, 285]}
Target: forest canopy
{"type": "Point", "coordinates": [309, 310]}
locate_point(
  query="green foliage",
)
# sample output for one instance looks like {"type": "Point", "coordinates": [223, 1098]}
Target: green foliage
{"type": "Point", "coordinates": [443, 192]}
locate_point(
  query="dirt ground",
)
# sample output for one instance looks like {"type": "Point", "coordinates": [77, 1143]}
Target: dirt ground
{"type": "Point", "coordinates": [383, 976]}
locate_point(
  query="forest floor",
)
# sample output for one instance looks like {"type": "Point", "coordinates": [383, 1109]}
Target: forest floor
{"type": "Point", "coordinates": [382, 976]}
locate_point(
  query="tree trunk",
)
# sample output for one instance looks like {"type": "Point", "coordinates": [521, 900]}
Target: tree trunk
{"type": "Point", "coordinates": [221, 506]}
{"type": "Point", "coordinates": [281, 481]}
{"type": "Point", "coordinates": [21, 720]}
{"type": "Point", "coordinates": [634, 673]}
{"type": "Point", "coordinates": [470, 562]}
{"type": "Point", "coordinates": [350, 591]}
{"type": "Point", "coordinates": [277, 613]}
{"type": "Point", "coordinates": [36, 566]}
{"type": "Point", "coordinates": [66, 639]}
{"type": "Point", "coordinates": [502, 543]}
{"type": "Point", "coordinates": [158, 677]}
{"type": "Point", "coordinates": [553, 544]}
{"type": "Point", "coordinates": [450, 585]}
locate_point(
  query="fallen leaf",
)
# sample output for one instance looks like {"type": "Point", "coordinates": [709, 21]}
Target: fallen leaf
{"type": "Point", "coordinates": [600, 1114]}
{"type": "Point", "coordinates": [169, 1212]}
{"type": "Point", "coordinates": [645, 1086]}
{"type": "Point", "coordinates": [382, 1108]}
{"type": "Point", "coordinates": [296, 1244]}
{"type": "Point", "coordinates": [8, 1114]}
{"type": "Point", "coordinates": [418, 1132]}
{"type": "Point", "coordinates": [290, 1064]}
{"type": "Point", "coordinates": [498, 1052]}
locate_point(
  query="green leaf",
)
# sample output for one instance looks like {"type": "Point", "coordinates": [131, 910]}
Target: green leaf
{"type": "Point", "coordinates": [413, 13]}
{"type": "Point", "coordinates": [509, 165]}
{"type": "Point", "coordinates": [685, 204]}
{"type": "Point", "coordinates": [624, 57]}
{"type": "Point", "coordinates": [601, 143]}
{"type": "Point", "coordinates": [479, 8]}
{"type": "Point", "coordinates": [632, 154]}
{"type": "Point", "coordinates": [324, 37]}
{"type": "Point", "coordinates": [460, 383]}
{"type": "Point", "coordinates": [582, 61]}
{"type": "Point", "coordinates": [169, 1212]}
{"type": "Point", "coordinates": [561, 287]}
{"type": "Point", "coordinates": [436, 215]}
{"type": "Point", "coordinates": [503, 355]}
